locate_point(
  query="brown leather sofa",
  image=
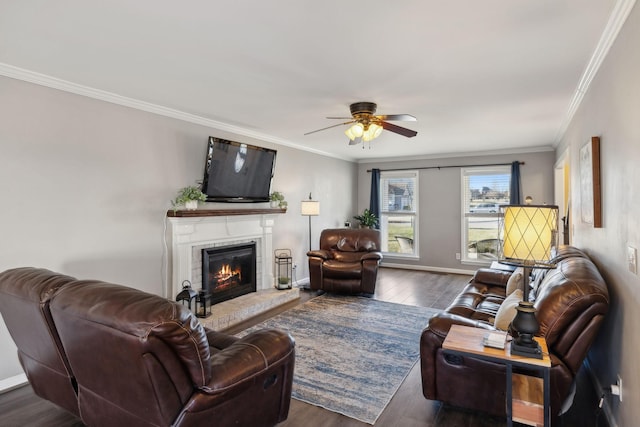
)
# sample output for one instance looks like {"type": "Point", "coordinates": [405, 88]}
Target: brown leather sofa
{"type": "Point", "coordinates": [25, 295]}
{"type": "Point", "coordinates": [117, 356]}
{"type": "Point", "coordinates": [347, 261]}
{"type": "Point", "coordinates": [571, 302]}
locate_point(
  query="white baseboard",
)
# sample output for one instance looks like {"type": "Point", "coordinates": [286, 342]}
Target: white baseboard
{"type": "Point", "coordinates": [13, 382]}
{"type": "Point", "coordinates": [302, 283]}
{"type": "Point", "coordinates": [428, 268]}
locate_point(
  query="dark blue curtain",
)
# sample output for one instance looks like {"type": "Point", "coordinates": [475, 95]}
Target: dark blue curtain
{"type": "Point", "coordinates": [374, 201]}
{"type": "Point", "coordinates": [515, 189]}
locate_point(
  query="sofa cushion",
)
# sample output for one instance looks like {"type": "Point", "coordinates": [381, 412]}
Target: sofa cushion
{"type": "Point", "coordinates": [507, 310]}
{"type": "Point", "coordinates": [342, 269]}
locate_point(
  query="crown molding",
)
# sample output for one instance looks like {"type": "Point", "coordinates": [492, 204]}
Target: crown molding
{"type": "Point", "coordinates": [618, 16]}
{"type": "Point", "coordinates": [506, 151]}
{"type": "Point", "coordinates": [617, 19]}
{"type": "Point", "coordinates": [113, 98]}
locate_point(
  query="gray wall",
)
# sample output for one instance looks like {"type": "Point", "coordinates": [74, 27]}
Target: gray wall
{"type": "Point", "coordinates": [86, 184]}
{"type": "Point", "coordinates": [611, 110]}
{"type": "Point", "coordinates": [440, 219]}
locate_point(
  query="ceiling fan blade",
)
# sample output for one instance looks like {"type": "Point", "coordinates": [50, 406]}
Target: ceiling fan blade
{"type": "Point", "coordinates": [329, 127]}
{"type": "Point", "coordinates": [340, 118]}
{"type": "Point", "coordinates": [398, 129]}
{"type": "Point", "coordinates": [398, 117]}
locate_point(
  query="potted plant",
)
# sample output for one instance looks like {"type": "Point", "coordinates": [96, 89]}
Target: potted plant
{"type": "Point", "coordinates": [189, 197]}
{"type": "Point", "coordinates": [277, 200]}
{"type": "Point", "coordinates": [367, 219]}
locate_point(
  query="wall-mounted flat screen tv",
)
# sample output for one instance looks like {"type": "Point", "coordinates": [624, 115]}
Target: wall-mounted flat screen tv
{"type": "Point", "coordinates": [237, 172]}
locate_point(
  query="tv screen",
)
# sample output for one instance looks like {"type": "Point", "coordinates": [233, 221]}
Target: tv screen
{"type": "Point", "coordinates": [236, 172]}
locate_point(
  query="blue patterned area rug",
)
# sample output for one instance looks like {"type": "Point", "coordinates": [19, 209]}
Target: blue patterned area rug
{"type": "Point", "coordinates": [352, 353]}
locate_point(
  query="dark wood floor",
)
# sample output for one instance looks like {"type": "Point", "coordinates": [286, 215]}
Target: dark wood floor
{"type": "Point", "coordinates": [20, 407]}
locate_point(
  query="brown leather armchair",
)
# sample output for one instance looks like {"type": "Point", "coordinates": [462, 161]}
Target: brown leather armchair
{"type": "Point", "coordinates": [139, 359]}
{"type": "Point", "coordinates": [346, 262]}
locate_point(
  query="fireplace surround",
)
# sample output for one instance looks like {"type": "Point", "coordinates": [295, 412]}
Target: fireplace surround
{"type": "Point", "coordinates": [188, 233]}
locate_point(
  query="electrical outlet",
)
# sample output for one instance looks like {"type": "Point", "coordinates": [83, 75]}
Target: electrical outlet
{"type": "Point", "coordinates": [632, 259]}
{"type": "Point", "coordinates": [295, 266]}
{"type": "Point", "coordinates": [616, 389]}
{"type": "Point", "coordinates": [458, 256]}
{"type": "Point", "coordinates": [620, 388]}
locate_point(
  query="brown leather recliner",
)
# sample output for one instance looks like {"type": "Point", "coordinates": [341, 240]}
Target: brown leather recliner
{"type": "Point", "coordinates": [571, 302]}
{"type": "Point", "coordinates": [25, 294]}
{"type": "Point", "coordinates": [347, 261]}
{"type": "Point", "coordinates": [142, 360]}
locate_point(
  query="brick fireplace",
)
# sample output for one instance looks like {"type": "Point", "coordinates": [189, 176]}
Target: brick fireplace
{"type": "Point", "coordinates": [190, 233]}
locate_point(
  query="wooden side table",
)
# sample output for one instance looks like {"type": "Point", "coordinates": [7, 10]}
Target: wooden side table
{"type": "Point", "coordinates": [528, 397]}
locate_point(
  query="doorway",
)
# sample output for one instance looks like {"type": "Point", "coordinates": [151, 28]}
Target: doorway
{"type": "Point", "coordinates": [562, 196]}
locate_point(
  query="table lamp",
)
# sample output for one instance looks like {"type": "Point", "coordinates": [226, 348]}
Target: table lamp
{"type": "Point", "coordinates": [528, 236]}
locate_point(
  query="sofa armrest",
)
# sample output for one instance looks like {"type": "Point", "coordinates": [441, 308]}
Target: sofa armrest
{"type": "Point", "coordinates": [371, 256]}
{"type": "Point", "coordinates": [246, 358]}
{"type": "Point", "coordinates": [437, 329]}
{"type": "Point", "coordinates": [492, 277]}
{"type": "Point", "coordinates": [441, 323]}
{"type": "Point", "coordinates": [218, 340]}
{"type": "Point", "coordinates": [320, 253]}
{"type": "Point", "coordinates": [260, 366]}
{"type": "Point", "coordinates": [431, 343]}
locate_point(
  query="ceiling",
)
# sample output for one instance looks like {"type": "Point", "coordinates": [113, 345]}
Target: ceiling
{"type": "Point", "coordinates": [477, 75]}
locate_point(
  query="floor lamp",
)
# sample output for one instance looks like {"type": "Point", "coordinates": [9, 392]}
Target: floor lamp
{"type": "Point", "coordinates": [528, 238]}
{"type": "Point", "coordinates": [310, 208]}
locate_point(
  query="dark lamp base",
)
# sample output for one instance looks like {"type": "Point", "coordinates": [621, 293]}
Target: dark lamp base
{"type": "Point", "coordinates": [534, 351]}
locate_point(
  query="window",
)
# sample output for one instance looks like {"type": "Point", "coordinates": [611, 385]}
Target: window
{"type": "Point", "coordinates": [484, 189]}
{"type": "Point", "coordinates": [398, 219]}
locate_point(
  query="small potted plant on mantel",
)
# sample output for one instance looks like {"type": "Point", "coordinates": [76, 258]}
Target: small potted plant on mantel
{"type": "Point", "coordinates": [189, 198]}
{"type": "Point", "coordinates": [367, 219]}
{"type": "Point", "coordinates": [277, 200]}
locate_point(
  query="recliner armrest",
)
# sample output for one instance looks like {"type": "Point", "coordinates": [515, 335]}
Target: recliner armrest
{"type": "Point", "coordinates": [320, 253]}
{"type": "Point", "coordinates": [247, 357]}
{"type": "Point", "coordinates": [219, 341]}
{"type": "Point", "coordinates": [491, 276]}
{"type": "Point", "coordinates": [440, 324]}
{"type": "Point", "coordinates": [376, 256]}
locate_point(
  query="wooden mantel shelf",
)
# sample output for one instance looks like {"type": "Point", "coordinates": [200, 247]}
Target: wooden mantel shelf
{"type": "Point", "coordinates": [222, 212]}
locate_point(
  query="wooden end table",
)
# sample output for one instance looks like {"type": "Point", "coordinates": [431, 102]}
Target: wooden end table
{"type": "Point", "coordinates": [528, 397]}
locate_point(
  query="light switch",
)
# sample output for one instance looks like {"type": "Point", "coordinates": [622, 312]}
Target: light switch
{"type": "Point", "coordinates": [632, 259]}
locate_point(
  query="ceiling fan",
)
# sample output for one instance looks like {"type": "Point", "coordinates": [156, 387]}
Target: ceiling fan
{"type": "Point", "coordinates": [367, 126]}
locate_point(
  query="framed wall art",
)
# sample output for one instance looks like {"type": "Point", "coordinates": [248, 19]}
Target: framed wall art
{"type": "Point", "coordinates": [590, 191]}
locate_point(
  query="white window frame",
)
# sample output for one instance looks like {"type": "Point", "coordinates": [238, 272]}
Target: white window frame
{"type": "Point", "coordinates": [466, 215]}
{"type": "Point", "coordinates": [385, 214]}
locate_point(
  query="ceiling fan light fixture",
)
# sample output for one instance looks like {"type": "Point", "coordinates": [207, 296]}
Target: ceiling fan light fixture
{"type": "Point", "coordinates": [355, 131]}
{"type": "Point", "coordinates": [373, 131]}
{"type": "Point", "coordinates": [366, 126]}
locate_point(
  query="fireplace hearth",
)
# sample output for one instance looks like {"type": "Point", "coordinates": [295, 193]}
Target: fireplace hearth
{"type": "Point", "coordinates": [229, 271]}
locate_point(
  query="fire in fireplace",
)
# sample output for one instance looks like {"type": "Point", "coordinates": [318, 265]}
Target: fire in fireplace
{"type": "Point", "coordinates": [229, 271]}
